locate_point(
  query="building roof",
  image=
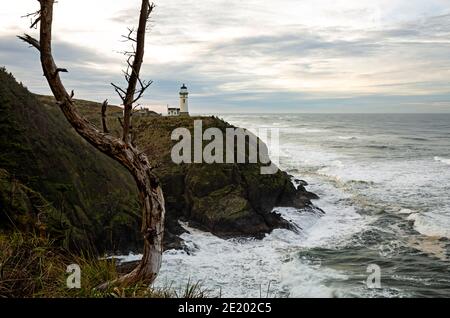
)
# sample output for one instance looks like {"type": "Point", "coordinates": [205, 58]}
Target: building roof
{"type": "Point", "coordinates": [184, 86]}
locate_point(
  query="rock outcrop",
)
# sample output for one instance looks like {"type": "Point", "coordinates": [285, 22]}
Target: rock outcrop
{"type": "Point", "coordinates": [96, 199]}
{"type": "Point", "coordinates": [227, 200]}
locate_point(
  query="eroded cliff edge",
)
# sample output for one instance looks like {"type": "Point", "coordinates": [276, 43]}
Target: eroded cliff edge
{"type": "Point", "coordinates": [93, 199]}
{"type": "Point", "coordinates": [227, 200]}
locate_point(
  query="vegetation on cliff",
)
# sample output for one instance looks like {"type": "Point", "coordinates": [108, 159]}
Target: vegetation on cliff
{"type": "Point", "coordinates": [40, 150]}
{"type": "Point", "coordinates": [80, 185]}
{"type": "Point", "coordinates": [59, 196]}
{"type": "Point", "coordinates": [35, 267]}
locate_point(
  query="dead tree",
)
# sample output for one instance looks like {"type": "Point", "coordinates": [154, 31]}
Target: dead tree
{"type": "Point", "coordinates": [104, 125]}
{"type": "Point", "coordinates": [120, 149]}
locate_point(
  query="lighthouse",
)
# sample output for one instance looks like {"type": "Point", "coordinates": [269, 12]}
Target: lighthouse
{"type": "Point", "coordinates": [184, 101]}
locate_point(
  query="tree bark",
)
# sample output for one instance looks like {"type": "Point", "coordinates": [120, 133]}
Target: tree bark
{"type": "Point", "coordinates": [103, 113]}
{"type": "Point", "coordinates": [121, 150]}
{"type": "Point", "coordinates": [133, 79]}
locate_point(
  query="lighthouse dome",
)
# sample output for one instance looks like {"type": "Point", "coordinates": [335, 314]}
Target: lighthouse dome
{"type": "Point", "coordinates": [184, 89]}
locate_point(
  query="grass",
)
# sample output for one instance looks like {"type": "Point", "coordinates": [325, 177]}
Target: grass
{"type": "Point", "coordinates": [32, 267]}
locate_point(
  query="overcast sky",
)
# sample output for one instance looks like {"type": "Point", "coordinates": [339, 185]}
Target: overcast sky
{"type": "Point", "coordinates": [253, 55]}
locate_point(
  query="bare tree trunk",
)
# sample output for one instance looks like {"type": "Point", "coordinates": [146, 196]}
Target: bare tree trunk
{"type": "Point", "coordinates": [103, 113]}
{"type": "Point", "coordinates": [121, 150]}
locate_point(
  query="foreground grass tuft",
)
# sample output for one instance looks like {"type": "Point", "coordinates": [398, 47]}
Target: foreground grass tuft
{"type": "Point", "coordinates": [32, 267]}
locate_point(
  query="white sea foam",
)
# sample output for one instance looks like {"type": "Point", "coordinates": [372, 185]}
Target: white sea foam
{"type": "Point", "coordinates": [248, 268]}
{"type": "Point", "coordinates": [236, 268]}
{"type": "Point", "coordinates": [431, 224]}
{"type": "Point", "coordinates": [347, 138]}
{"type": "Point", "coordinates": [231, 268]}
{"type": "Point", "coordinates": [307, 156]}
{"type": "Point", "coordinates": [302, 130]}
{"type": "Point", "coordinates": [340, 221]}
{"type": "Point", "coordinates": [346, 173]}
{"type": "Point", "coordinates": [442, 160]}
{"type": "Point", "coordinates": [308, 281]}
{"type": "Point", "coordinates": [406, 211]}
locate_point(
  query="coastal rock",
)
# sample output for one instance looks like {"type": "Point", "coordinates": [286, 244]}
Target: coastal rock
{"type": "Point", "coordinates": [93, 200]}
{"type": "Point", "coordinates": [227, 200]}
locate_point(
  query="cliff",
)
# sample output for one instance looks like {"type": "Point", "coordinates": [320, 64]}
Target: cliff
{"type": "Point", "coordinates": [41, 151]}
{"type": "Point", "coordinates": [96, 198]}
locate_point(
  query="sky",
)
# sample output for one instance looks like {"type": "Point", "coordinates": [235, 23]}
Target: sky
{"type": "Point", "coordinates": [282, 56]}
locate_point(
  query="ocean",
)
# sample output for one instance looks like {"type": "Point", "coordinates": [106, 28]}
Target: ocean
{"type": "Point", "coordinates": [384, 184]}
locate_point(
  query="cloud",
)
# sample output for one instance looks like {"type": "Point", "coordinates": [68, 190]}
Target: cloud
{"type": "Point", "coordinates": [257, 56]}
{"type": "Point", "coordinates": [86, 80]}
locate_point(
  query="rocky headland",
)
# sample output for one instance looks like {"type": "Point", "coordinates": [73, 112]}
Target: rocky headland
{"type": "Point", "coordinates": [53, 181]}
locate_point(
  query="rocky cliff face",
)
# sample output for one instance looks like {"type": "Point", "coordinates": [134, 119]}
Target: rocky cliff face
{"type": "Point", "coordinates": [96, 198]}
{"type": "Point", "coordinates": [226, 199]}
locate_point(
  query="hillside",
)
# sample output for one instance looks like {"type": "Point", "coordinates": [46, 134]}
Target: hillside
{"type": "Point", "coordinates": [91, 191]}
{"type": "Point", "coordinates": [96, 197]}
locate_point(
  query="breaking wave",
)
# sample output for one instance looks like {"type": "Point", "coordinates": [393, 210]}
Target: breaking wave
{"type": "Point", "coordinates": [442, 160]}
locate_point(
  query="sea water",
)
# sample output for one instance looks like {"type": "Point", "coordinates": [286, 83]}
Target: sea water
{"type": "Point", "coordinates": [384, 184]}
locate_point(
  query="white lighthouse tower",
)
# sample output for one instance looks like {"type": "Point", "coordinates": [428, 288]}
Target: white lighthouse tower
{"type": "Point", "coordinates": [184, 101]}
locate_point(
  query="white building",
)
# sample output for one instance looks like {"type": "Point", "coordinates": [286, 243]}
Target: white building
{"type": "Point", "coordinates": [184, 101]}
{"type": "Point", "coordinates": [173, 111]}
{"type": "Point", "coordinates": [183, 110]}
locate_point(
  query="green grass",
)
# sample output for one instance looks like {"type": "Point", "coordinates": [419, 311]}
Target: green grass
{"type": "Point", "coordinates": [32, 267]}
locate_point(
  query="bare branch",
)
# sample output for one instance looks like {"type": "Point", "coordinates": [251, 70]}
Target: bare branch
{"type": "Point", "coordinates": [33, 14]}
{"type": "Point", "coordinates": [30, 40]}
{"type": "Point", "coordinates": [119, 91]}
{"type": "Point", "coordinates": [129, 37]}
{"type": "Point", "coordinates": [134, 68]}
{"type": "Point", "coordinates": [34, 24]}
{"type": "Point", "coordinates": [141, 92]}
{"type": "Point", "coordinates": [60, 70]}
{"type": "Point", "coordinates": [36, 16]}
